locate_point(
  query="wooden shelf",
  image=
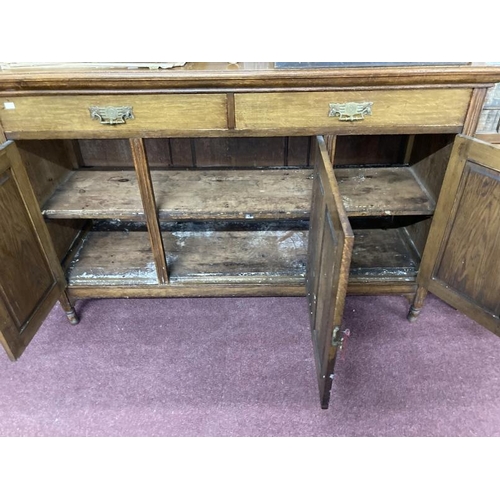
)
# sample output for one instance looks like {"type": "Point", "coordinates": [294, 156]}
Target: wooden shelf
{"type": "Point", "coordinates": [264, 194]}
{"type": "Point", "coordinates": [113, 258]}
{"type": "Point", "coordinates": [382, 191]}
{"type": "Point", "coordinates": [383, 254]}
{"type": "Point", "coordinates": [111, 194]}
{"type": "Point", "coordinates": [237, 256]}
{"type": "Point", "coordinates": [186, 195]}
{"type": "Point", "coordinates": [194, 257]}
{"type": "Point", "coordinates": [233, 194]}
{"type": "Point", "coordinates": [233, 257]}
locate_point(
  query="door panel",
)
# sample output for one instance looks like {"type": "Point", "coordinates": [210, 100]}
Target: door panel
{"type": "Point", "coordinates": [330, 247]}
{"type": "Point", "coordinates": [461, 263]}
{"type": "Point", "coordinates": [29, 285]}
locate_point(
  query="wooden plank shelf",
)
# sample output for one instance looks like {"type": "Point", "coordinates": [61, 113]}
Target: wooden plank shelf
{"type": "Point", "coordinates": [113, 258]}
{"type": "Point", "coordinates": [194, 257]}
{"type": "Point", "coordinates": [383, 254]}
{"type": "Point", "coordinates": [186, 195]}
{"type": "Point", "coordinates": [253, 257]}
{"type": "Point", "coordinates": [382, 191]}
{"type": "Point", "coordinates": [111, 194]}
{"type": "Point", "coordinates": [264, 194]}
{"type": "Point", "coordinates": [254, 194]}
{"type": "Point", "coordinates": [233, 257]}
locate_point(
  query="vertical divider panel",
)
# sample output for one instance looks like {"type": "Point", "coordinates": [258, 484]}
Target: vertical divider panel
{"type": "Point", "coordinates": [331, 144]}
{"type": "Point", "coordinates": [149, 204]}
{"type": "Point", "coordinates": [231, 115]}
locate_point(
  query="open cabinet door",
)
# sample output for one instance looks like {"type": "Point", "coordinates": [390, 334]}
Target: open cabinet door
{"type": "Point", "coordinates": [461, 261]}
{"type": "Point", "coordinates": [329, 257]}
{"type": "Point", "coordinates": [31, 279]}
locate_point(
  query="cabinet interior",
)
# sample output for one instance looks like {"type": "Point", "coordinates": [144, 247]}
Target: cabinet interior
{"type": "Point", "coordinates": [235, 211]}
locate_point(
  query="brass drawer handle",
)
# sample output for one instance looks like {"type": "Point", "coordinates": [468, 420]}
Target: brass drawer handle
{"type": "Point", "coordinates": [111, 115]}
{"type": "Point", "coordinates": [350, 111]}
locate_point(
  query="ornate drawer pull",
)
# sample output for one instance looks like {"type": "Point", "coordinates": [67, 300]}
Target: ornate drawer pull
{"type": "Point", "coordinates": [111, 115]}
{"type": "Point", "coordinates": [350, 111]}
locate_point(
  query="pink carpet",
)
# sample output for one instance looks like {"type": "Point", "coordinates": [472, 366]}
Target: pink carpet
{"type": "Point", "coordinates": [244, 367]}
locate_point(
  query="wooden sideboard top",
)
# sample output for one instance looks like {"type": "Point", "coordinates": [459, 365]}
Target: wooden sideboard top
{"type": "Point", "coordinates": [234, 77]}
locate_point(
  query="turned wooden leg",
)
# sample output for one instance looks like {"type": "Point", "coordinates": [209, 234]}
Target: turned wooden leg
{"type": "Point", "coordinates": [417, 305]}
{"type": "Point", "coordinates": [69, 309]}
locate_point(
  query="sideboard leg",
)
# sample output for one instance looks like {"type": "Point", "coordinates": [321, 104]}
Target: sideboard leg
{"type": "Point", "coordinates": [69, 309]}
{"type": "Point", "coordinates": [417, 305]}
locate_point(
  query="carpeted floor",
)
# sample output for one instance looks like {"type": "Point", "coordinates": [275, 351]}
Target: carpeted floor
{"type": "Point", "coordinates": [244, 367]}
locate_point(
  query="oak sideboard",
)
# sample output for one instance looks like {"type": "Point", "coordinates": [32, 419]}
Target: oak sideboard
{"type": "Point", "coordinates": [217, 179]}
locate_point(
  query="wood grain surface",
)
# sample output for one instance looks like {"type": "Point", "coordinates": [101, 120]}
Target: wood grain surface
{"type": "Point", "coordinates": [31, 278]}
{"type": "Point", "coordinates": [329, 255]}
{"type": "Point", "coordinates": [461, 262]}
{"type": "Point", "coordinates": [212, 76]}
{"type": "Point", "coordinates": [397, 108]}
{"type": "Point", "coordinates": [64, 116]}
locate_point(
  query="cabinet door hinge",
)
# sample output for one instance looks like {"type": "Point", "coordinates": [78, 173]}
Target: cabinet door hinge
{"type": "Point", "coordinates": [338, 337]}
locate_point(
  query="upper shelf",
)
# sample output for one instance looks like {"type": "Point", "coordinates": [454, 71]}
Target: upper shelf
{"type": "Point", "coordinates": [382, 192]}
{"type": "Point", "coordinates": [264, 194]}
{"type": "Point", "coordinates": [187, 195]}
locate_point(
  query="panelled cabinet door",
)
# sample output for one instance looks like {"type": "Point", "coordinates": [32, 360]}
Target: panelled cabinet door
{"type": "Point", "coordinates": [31, 279]}
{"type": "Point", "coordinates": [461, 261]}
{"type": "Point", "coordinates": [329, 256]}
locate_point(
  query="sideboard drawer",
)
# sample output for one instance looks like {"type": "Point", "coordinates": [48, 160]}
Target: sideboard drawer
{"type": "Point", "coordinates": [353, 111]}
{"type": "Point", "coordinates": [100, 116]}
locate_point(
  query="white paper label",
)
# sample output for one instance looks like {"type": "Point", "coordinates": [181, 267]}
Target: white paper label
{"type": "Point", "coordinates": [9, 105]}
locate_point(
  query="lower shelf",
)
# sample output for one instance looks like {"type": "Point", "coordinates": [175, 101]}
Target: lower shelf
{"type": "Point", "coordinates": [117, 258]}
{"type": "Point", "coordinates": [113, 258]}
{"type": "Point", "coordinates": [383, 255]}
{"type": "Point", "coordinates": [243, 257]}
{"type": "Point", "coordinates": [234, 258]}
